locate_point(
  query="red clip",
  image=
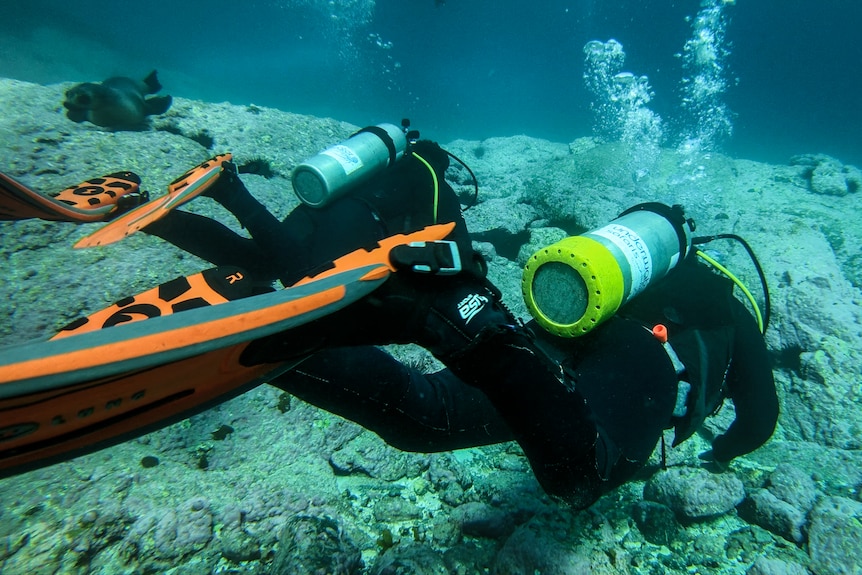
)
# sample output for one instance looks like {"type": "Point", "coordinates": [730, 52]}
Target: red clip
{"type": "Point", "coordinates": [660, 333]}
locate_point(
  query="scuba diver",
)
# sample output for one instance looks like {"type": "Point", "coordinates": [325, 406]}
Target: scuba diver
{"type": "Point", "coordinates": [588, 411]}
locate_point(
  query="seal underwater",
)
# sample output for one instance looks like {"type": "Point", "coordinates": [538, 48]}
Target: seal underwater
{"type": "Point", "coordinates": [117, 102]}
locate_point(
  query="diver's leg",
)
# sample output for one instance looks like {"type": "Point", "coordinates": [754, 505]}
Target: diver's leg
{"type": "Point", "coordinates": [461, 323]}
{"type": "Point", "coordinates": [209, 240]}
{"type": "Point", "coordinates": [274, 248]}
{"type": "Point", "coordinates": [281, 243]}
{"type": "Point", "coordinates": [409, 410]}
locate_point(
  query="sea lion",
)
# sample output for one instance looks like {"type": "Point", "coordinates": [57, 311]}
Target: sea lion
{"type": "Point", "coordinates": [117, 102]}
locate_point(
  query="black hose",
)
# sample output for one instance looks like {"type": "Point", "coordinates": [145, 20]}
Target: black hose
{"type": "Point", "coordinates": [475, 181]}
{"type": "Point", "coordinates": [766, 301]}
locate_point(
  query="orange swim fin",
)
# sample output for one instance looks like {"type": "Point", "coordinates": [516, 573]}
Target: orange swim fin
{"type": "Point", "coordinates": [74, 394]}
{"type": "Point", "coordinates": [162, 356]}
{"type": "Point", "coordinates": [185, 188]}
{"type": "Point", "coordinates": [210, 287]}
{"type": "Point", "coordinates": [95, 200]}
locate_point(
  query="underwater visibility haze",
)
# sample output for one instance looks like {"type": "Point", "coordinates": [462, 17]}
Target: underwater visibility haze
{"type": "Point", "coordinates": [746, 112]}
{"type": "Point", "coordinates": [462, 68]}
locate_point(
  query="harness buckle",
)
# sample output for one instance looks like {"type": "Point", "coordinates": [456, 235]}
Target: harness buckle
{"type": "Point", "coordinates": [439, 257]}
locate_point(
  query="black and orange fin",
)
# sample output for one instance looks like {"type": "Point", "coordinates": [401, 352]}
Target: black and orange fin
{"type": "Point", "coordinates": [162, 356]}
{"type": "Point", "coordinates": [380, 252]}
{"type": "Point", "coordinates": [95, 200]}
{"type": "Point", "coordinates": [210, 287]}
{"type": "Point", "coordinates": [72, 395]}
{"type": "Point", "coordinates": [184, 189]}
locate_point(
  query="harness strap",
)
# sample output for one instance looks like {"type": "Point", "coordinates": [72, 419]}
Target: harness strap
{"type": "Point", "coordinates": [683, 386]}
{"type": "Point", "coordinates": [386, 139]}
{"type": "Point", "coordinates": [440, 257]}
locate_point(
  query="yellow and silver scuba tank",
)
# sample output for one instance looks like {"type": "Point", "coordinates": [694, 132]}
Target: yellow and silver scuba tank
{"type": "Point", "coordinates": [574, 285]}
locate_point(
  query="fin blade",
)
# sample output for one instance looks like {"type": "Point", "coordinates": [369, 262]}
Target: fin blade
{"type": "Point", "coordinates": [185, 188]}
{"type": "Point", "coordinates": [209, 287]}
{"type": "Point", "coordinates": [65, 397]}
{"type": "Point", "coordinates": [132, 404]}
{"type": "Point", "coordinates": [62, 398]}
{"type": "Point", "coordinates": [51, 364]}
{"type": "Point", "coordinates": [89, 201]}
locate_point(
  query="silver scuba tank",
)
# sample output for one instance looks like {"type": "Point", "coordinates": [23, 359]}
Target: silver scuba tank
{"type": "Point", "coordinates": [336, 170]}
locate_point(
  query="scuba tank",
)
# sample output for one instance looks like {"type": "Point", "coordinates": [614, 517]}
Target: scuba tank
{"type": "Point", "coordinates": [577, 283]}
{"type": "Point", "coordinates": [336, 170]}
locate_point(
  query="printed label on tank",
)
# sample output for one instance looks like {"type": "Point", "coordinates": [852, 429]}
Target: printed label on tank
{"type": "Point", "coordinates": [344, 156]}
{"type": "Point", "coordinates": [636, 252]}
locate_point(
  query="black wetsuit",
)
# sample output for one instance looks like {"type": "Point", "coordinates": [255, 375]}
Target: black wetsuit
{"type": "Point", "coordinates": [587, 412]}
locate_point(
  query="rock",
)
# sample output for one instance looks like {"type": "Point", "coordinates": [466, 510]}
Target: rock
{"type": "Point", "coordinates": [828, 179]}
{"type": "Point", "coordinates": [695, 493]}
{"type": "Point", "coordinates": [37, 547]}
{"type": "Point", "coordinates": [834, 469]}
{"type": "Point", "coordinates": [481, 520]}
{"type": "Point", "coordinates": [315, 544]}
{"type": "Point", "coordinates": [853, 177]}
{"type": "Point", "coordinates": [782, 506]}
{"type": "Point", "coordinates": [503, 164]}
{"type": "Point", "coordinates": [531, 549]}
{"type": "Point", "coordinates": [410, 559]}
{"type": "Point", "coordinates": [506, 216]}
{"type": "Point", "coordinates": [746, 544]}
{"type": "Point", "coordinates": [469, 558]}
{"type": "Point", "coordinates": [396, 508]}
{"type": "Point", "coordinates": [764, 566]}
{"type": "Point", "coordinates": [808, 160]}
{"type": "Point", "coordinates": [776, 515]}
{"type": "Point", "coordinates": [827, 176]}
{"type": "Point", "coordinates": [445, 472]}
{"type": "Point", "coordinates": [237, 545]}
{"type": "Point", "coordinates": [791, 484]}
{"type": "Point", "coordinates": [539, 238]}
{"type": "Point", "coordinates": [656, 522]}
{"type": "Point", "coordinates": [835, 536]}
{"type": "Point", "coordinates": [367, 454]}
{"type": "Point", "coordinates": [185, 530]}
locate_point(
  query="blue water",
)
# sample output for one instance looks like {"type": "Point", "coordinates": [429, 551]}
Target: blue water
{"type": "Point", "coordinates": [467, 68]}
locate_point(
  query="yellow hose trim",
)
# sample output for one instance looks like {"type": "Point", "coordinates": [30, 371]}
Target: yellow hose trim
{"type": "Point", "coordinates": [436, 183]}
{"type": "Point", "coordinates": [599, 271]}
{"type": "Point", "coordinates": [738, 283]}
